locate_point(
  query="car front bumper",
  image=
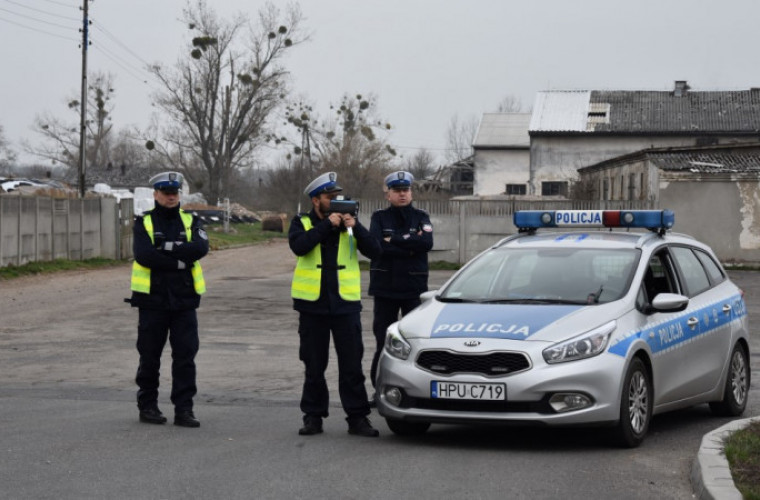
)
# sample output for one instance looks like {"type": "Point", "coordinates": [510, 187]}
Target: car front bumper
{"type": "Point", "coordinates": [528, 392]}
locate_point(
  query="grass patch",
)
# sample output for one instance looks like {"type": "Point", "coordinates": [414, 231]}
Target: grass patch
{"type": "Point", "coordinates": [742, 449]}
{"type": "Point", "coordinates": [34, 268]}
{"type": "Point", "coordinates": [239, 235]}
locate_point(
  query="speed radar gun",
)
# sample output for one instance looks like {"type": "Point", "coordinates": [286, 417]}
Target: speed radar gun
{"type": "Point", "coordinates": [346, 206]}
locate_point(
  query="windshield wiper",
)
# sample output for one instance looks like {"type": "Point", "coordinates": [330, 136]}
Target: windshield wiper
{"type": "Point", "coordinates": [455, 299]}
{"type": "Point", "coordinates": [546, 300]}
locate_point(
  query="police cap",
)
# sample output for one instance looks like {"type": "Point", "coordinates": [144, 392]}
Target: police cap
{"type": "Point", "coordinates": [325, 183]}
{"type": "Point", "coordinates": [167, 182]}
{"type": "Point", "coordinates": [400, 179]}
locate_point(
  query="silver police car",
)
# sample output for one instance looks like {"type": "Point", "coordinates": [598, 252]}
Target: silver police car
{"type": "Point", "coordinates": [557, 327]}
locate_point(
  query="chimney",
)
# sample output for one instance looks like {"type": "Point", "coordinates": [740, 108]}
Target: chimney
{"type": "Point", "coordinates": [681, 88]}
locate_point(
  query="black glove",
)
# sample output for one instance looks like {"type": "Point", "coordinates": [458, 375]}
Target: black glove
{"type": "Point", "coordinates": [158, 240]}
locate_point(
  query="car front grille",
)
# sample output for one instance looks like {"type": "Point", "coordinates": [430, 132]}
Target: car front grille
{"type": "Point", "coordinates": [490, 364]}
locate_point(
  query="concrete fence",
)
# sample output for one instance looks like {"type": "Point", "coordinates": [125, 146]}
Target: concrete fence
{"type": "Point", "coordinates": [464, 228]}
{"type": "Point", "coordinates": [35, 228]}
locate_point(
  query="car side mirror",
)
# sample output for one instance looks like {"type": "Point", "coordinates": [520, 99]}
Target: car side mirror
{"type": "Point", "coordinates": [425, 296]}
{"type": "Point", "coordinates": [669, 302]}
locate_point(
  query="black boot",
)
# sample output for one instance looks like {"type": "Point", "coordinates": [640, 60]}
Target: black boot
{"type": "Point", "coordinates": [311, 425]}
{"type": "Point", "coordinates": [186, 418]}
{"type": "Point", "coordinates": [361, 427]}
{"type": "Point", "coordinates": [152, 415]}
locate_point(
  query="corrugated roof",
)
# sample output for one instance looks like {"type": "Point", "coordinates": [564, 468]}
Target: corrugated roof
{"type": "Point", "coordinates": [560, 110]}
{"type": "Point", "coordinates": [712, 162]}
{"type": "Point", "coordinates": [719, 159]}
{"type": "Point", "coordinates": [503, 130]}
{"type": "Point", "coordinates": [652, 112]}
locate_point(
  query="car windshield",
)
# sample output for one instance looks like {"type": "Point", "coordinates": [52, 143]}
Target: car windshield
{"type": "Point", "coordinates": [545, 275]}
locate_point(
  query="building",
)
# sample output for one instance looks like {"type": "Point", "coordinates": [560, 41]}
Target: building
{"type": "Point", "coordinates": [502, 154]}
{"type": "Point", "coordinates": [572, 129]}
{"type": "Point", "coordinates": [714, 191]}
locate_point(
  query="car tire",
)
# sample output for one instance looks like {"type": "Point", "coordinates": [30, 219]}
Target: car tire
{"type": "Point", "coordinates": [636, 402]}
{"type": "Point", "coordinates": [404, 428]}
{"type": "Point", "coordinates": [737, 386]}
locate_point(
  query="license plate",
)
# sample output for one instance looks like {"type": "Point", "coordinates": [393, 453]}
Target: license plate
{"type": "Point", "coordinates": [468, 390]}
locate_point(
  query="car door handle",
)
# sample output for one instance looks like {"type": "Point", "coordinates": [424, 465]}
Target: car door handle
{"type": "Point", "coordinates": [727, 308]}
{"type": "Point", "coordinates": [692, 322]}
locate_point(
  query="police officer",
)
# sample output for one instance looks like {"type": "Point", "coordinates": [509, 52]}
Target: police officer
{"type": "Point", "coordinates": [326, 292]}
{"type": "Point", "coordinates": [167, 284]}
{"type": "Point", "coordinates": [400, 275]}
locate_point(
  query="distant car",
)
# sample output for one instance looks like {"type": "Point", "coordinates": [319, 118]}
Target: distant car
{"type": "Point", "coordinates": [10, 185]}
{"type": "Point", "coordinates": [584, 327]}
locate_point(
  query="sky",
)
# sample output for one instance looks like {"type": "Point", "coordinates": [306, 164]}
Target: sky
{"type": "Point", "coordinates": [425, 61]}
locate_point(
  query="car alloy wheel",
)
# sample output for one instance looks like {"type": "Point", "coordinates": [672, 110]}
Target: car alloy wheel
{"type": "Point", "coordinates": [737, 384]}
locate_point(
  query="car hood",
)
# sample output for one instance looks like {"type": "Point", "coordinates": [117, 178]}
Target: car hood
{"type": "Point", "coordinates": [542, 322]}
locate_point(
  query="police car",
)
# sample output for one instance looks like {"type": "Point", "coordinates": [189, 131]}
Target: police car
{"type": "Point", "coordinates": [608, 324]}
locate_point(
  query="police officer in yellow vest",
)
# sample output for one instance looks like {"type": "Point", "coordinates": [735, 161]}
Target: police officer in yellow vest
{"type": "Point", "coordinates": [167, 284]}
{"type": "Point", "coordinates": [326, 292]}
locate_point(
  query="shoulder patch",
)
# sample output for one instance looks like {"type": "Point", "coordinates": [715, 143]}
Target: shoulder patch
{"type": "Point", "coordinates": [428, 228]}
{"type": "Point", "coordinates": [202, 234]}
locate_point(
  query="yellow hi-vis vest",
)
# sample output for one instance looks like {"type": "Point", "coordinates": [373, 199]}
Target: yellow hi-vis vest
{"type": "Point", "coordinates": [141, 274]}
{"type": "Point", "coordinates": [308, 274]}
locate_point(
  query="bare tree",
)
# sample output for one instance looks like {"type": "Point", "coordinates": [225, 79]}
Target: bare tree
{"type": "Point", "coordinates": [459, 137]}
{"type": "Point", "coordinates": [220, 98]}
{"type": "Point", "coordinates": [421, 164]}
{"type": "Point", "coordinates": [61, 137]}
{"type": "Point", "coordinates": [510, 104]}
{"type": "Point", "coordinates": [352, 143]}
{"type": "Point", "coordinates": [7, 155]}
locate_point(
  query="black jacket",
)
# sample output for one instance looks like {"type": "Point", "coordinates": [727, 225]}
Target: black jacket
{"type": "Point", "coordinates": [324, 234]}
{"type": "Point", "coordinates": [401, 272]}
{"type": "Point", "coordinates": [171, 288]}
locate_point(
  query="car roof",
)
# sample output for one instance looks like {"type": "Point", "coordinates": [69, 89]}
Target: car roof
{"type": "Point", "coordinates": [593, 239]}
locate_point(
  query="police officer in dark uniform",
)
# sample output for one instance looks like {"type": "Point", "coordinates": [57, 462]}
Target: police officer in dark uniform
{"type": "Point", "coordinates": [400, 275]}
{"type": "Point", "coordinates": [167, 283]}
{"type": "Point", "coordinates": [326, 292]}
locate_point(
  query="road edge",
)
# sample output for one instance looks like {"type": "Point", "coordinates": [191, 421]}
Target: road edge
{"type": "Point", "coordinates": [710, 475]}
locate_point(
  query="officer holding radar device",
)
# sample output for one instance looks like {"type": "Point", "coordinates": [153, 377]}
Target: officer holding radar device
{"type": "Point", "coordinates": [326, 292]}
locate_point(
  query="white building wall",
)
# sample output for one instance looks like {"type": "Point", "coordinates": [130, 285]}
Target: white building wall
{"type": "Point", "coordinates": [494, 169]}
{"type": "Point", "coordinates": [554, 158]}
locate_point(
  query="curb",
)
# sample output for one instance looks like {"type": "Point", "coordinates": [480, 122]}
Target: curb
{"type": "Point", "coordinates": [710, 476]}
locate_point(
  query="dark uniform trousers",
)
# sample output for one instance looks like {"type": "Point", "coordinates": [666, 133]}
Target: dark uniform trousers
{"type": "Point", "coordinates": [314, 331]}
{"type": "Point", "coordinates": [181, 327]}
{"type": "Point", "coordinates": [385, 313]}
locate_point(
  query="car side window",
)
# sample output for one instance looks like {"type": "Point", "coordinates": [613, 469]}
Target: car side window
{"type": "Point", "coordinates": [659, 277]}
{"type": "Point", "coordinates": [691, 269]}
{"type": "Point", "coordinates": [712, 268]}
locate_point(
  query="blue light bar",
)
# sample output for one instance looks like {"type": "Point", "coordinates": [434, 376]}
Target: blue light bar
{"type": "Point", "coordinates": [649, 219]}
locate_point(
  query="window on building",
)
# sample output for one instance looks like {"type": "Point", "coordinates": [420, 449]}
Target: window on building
{"type": "Point", "coordinates": [516, 189]}
{"type": "Point", "coordinates": [606, 189]}
{"type": "Point", "coordinates": [632, 186]}
{"type": "Point", "coordinates": [554, 189]}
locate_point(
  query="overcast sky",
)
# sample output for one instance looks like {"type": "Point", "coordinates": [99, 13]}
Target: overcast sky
{"type": "Point", "coordinates": [425, 60]}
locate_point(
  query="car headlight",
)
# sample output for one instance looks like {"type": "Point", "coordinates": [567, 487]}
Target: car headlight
{"type": "Point", "coordinates": [395, 343]}
{"type": "Point", "coordinates": [584, 346]}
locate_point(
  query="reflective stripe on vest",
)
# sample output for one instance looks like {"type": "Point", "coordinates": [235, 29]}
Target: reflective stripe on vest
{"type": "Point", "coordinates": [141, 274]}
{"type": "Point", "coordinates": [308, 274]}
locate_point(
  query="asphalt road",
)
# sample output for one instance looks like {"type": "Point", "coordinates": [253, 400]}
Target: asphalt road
{"type": "Point", "coordinates": [69, 425]}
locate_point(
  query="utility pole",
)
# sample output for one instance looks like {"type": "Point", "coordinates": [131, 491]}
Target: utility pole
{"type": "Point", "coordinates": [83, 111]}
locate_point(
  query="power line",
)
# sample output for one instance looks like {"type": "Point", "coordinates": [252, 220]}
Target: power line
{"type": "Point", "coordinates": [120, 62]}
{"type": "Point", "coordinates": [103, 30]}
{"type": "Point", "coordinates": [42, 11]}
{"type": "Point", "coordinates": [60, 3]}
{"type": "Point", "coordinates": [38, 30]}
{"type": "Point", "coordinates": [35, 19]}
